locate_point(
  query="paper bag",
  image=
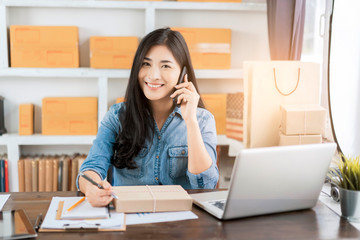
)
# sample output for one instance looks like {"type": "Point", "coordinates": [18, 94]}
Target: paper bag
{"type": "Point", "coordinates": [267, 85]}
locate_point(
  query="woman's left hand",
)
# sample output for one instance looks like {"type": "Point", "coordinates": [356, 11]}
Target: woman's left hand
{"type": "Point", "coordinates": [189, 99]}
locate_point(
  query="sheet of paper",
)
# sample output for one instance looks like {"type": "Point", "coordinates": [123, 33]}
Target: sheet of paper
{"type": "Point", "coordinates": [325, 198]}
{"type": "Point", "coordinates": [3, 199]}
{"type": "Point", "coordinates": [115, 221]}
{"type": "Point", "coordinates": [141, 218]}
{"type": "Point", "coordinates": [82, 211]}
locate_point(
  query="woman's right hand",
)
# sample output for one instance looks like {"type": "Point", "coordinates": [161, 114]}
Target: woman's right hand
{"type": "Point", "coordinates": [99, 197]}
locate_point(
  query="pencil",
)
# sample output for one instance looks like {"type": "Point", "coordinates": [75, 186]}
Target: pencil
{"type": "Point", "coordinates": [86, 177]}
{"type": "Point", "coordinates": [77, 203]}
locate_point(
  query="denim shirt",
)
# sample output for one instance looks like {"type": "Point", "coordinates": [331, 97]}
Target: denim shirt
{"type": "Point", "coordinates": [164, 161]}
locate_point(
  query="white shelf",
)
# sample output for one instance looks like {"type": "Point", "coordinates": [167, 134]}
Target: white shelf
{"type": "Point", "coordinates": [38, 139]}
{"type": "Point", "coordinates": [141, 5]}
{"type": "Point", "coordinates": [108, 73]}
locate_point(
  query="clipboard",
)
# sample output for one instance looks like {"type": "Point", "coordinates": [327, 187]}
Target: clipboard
{"type": "Point", "coordinates": [75, 226]}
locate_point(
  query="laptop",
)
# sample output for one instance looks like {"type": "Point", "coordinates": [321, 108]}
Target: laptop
{"type": "Point", "coordinates": [271, 180]}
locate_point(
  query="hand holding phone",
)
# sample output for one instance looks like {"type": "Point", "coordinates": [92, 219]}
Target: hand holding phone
{"type": "Point", "coordinates": [180, 80]}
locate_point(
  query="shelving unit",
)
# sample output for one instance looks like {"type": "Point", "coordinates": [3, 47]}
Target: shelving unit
{"type": "Point", "coordinates": [104, 77]}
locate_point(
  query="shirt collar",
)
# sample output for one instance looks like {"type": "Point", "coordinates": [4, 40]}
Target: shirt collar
{"type": "Point", "coordinates": [177, 110]}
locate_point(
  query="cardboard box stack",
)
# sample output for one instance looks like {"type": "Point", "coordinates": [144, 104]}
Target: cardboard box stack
{"type": "Point", "coordinates": [301, 124]}
{"type": "Point", "coordinates": [162, 198]}
{"type": "Point", "coordinates": [26, 119]}
{"type": "Point", "coordinates": [69, 116]}
{"type": "Point", "coordinates": [112, 52]}
{"type": "Point", "coordinates": [210, 48]}
{"type": "Point", "coordinates": [234, 115]}
{"type": "Point", "coordinates": [216, 104]}
{"type": "Point", "coordinates": [44, 46]}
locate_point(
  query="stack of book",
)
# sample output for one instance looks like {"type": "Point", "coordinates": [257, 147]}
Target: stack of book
{"type": "Point", "coordinates": [49, 173]}
{"type": "Point", "coordinates": [4, 176]}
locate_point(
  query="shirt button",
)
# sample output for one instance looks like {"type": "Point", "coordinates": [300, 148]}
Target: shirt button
{"type": "Point", "coordinates": [159, 137]}
{"type": "Point", "coordinates": [156, 178]}
{"type": "Point", "coordinates": [157, 156]}
{"type": "Point", "coordinates": [173, 114]}
{"type": "Point", "coordinates": [182, 152]}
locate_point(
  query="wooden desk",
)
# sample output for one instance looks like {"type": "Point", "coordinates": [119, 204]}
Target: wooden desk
{"type": "Point", "coordinates": [317, 223]}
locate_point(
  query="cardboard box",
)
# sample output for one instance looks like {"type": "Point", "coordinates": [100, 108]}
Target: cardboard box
{"type": "Point", "coordinates": [69, 116]}
{"type": "Point", "coordinates": [26, 119]}
{"type": "Point", "coordinates": [302, 119]}
{"type": "Point", "coordinates": [210, 48]}
{"type": "Point", "coordinates": [155, 198]}
{"type": "Point", "coordinates": [299, 139]}
{"type": "Point", "coordinates": [216, 104]}
{"type": "Point", "coordinates": [234, 115]}
{"type": "Point", "coordinates": [112, 52]}
{"type": "Point", "coordinates": [44, 46]}
{"type": "Point", "coordinates": [120, 99]}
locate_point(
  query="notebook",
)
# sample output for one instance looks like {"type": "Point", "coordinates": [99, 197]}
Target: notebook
{"type": "Point", "coordinates": [270, 180]}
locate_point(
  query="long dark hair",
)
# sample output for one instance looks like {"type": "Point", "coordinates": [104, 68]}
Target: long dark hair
{"type": "Point", "coordinates": [137, 122]}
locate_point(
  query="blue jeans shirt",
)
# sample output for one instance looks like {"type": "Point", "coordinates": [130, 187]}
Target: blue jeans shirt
{"type": "Point", "coordinates": [164, 161]}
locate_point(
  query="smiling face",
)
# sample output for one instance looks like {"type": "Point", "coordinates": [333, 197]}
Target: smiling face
{"type": "Point", "coordinates": [159, 74]}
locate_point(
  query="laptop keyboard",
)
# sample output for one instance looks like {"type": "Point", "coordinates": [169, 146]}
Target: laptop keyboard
{"type": "Point", "coordinates": [219, 203]}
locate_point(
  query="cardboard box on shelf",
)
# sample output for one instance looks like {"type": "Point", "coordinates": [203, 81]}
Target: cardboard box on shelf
{"type": "Point", "coordinates": [299, 139]}
{"type": "Point", "coordinates": [216, 104]}
{"type": "Point", "coordinates": [26, 119]}
{"type": "Point", "coordinates": [44, 46]}
{"type": "Point", "coordinates": [302, 119]}
{"type": "Point", "coordinates": [156, 198]}
{"type": "Point", "coordinates": [210, 48]}
{"type": "Point", "coordinates": [234, 115]}
{"type": "Point", "coordinates": [112, 52]}
{"type": "Point", "coordinates": [69, 116]}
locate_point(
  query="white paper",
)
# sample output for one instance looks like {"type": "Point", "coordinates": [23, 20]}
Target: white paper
{"type": "Point", "coordinates": [141, 218]}
{"type": "Point", "coordinates": [116, 220]}
{"type": "Point", "coordinates": [82, 211]}
{"type": "Point", "coordinates": [3, 199]}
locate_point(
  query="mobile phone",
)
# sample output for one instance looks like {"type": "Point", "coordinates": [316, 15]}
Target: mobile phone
{"type": "Point", "coordinates": [180, 80]}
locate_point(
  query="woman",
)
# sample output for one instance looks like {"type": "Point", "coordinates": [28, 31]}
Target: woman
{"type": "Point", "coordinates": [149, 139]}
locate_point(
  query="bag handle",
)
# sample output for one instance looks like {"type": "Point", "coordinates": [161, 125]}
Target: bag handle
{"type": "Point", "coordinates": [286, 94]}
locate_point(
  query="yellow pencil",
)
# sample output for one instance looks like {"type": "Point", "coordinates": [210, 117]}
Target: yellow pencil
{"type": "Point", "coordinates": [73, 206]}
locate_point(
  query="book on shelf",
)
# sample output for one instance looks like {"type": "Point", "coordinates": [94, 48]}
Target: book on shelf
{"type": "Point", "coordinates": [49, 173]}
{"type": "Point", "coordinates": [21, 175]}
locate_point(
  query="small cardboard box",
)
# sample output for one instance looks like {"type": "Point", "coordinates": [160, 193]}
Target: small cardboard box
{"type": "Point", "coordinates": [112, 52]}
{"type": "Point", "coordinates": [286, 140]}
{"type": "Point", "coordinates": [26, 119]}
{"type": "Point", "coordinates": [69, 116]}
{"type": "Point", "coordinates": [210, 48]}
{"type": "Point", "coordinates": [155, 198]}
{"type": "Point", "coordinates": [44, 46]}
{"type": "Point", "coordinates": [216, 104]}
{"type": "Point", "coordinates": [302, 119]}
{"type": "Point", "coordinates": [234, 115]}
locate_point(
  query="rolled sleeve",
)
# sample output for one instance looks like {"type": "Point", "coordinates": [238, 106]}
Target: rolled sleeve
{"type": "Point", "coordinates": [205, 180]}
{"type": "Point", "coordinates": [102, 150]}
{"type": "Point", "coordinates": [208, 178]}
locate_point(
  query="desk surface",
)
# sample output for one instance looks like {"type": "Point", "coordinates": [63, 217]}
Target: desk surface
{"type": "Point", "coordinates": [317, 223]}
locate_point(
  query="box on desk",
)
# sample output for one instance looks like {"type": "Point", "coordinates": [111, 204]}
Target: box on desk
{"type": "Point", "coordinates": [164, 198]}
{"type": "Point", "coordinates": [216, 104]}
{"type": "Point", "coordinates": [210, 48]}
{"type": "Point", "coordinates": [286, 140]}
{"type": "Point", "coordinates": [302, 119]}
{"type": "Point", "coordinates": [112, 52]}
{"type": "Point", "coordinates": [69, 116]}
{"type": "Point", "coordinates": [44, 46]}
{"type": "Point", "coordinates": [26, 119]}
